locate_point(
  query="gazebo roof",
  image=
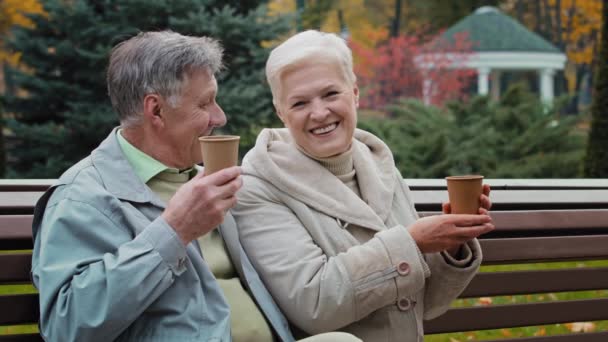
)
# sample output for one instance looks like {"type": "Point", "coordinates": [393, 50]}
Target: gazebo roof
{"type": "Point", "coordinates": [493, 31]}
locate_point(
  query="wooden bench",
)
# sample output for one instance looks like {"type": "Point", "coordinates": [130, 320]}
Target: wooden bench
{"type": "Point", "coordinates": [537, 221]}
{"type": "Point", "coordinates": [17, 199]}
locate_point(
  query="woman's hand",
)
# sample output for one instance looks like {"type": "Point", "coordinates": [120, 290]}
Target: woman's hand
{"type": "Point", "coordinates": [484, 200]}
{"type": "Point", "coordinates": [448, 232]}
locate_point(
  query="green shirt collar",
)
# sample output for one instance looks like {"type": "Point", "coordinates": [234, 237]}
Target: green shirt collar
{"type": "Point", "coordinates": [145, 166]}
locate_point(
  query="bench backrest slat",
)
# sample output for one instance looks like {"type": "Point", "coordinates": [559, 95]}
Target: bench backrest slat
{"type": "Point", "coordinates": [519, 315]}
{"type": "Point", "coordinates": [430, 200]}
{"type": "Point", "coordinates": [12, 203]}
{"type": "Point", "coordinates": [541, 249]}
{"type": "Point", "coordinates": [23, 309]}
{"type": "Point", "coordinates": [525, 282]}
{"type": "Point", "coordinates": [21, 338]}
{"type": "Point", "coordinates": [15, 268]}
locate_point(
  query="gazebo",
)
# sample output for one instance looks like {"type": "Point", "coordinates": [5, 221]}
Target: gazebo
{"type": "Point", "coordinates": [500, 44]}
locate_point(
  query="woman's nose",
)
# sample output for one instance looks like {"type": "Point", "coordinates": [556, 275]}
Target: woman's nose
{"type": "Point", "coordinates": [319, 110]}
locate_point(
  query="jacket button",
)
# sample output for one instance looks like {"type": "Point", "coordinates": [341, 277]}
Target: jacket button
{"type": "Point", "coordinates": [403, 268]}
{"type": "Point", "coordinates": [405, 304]}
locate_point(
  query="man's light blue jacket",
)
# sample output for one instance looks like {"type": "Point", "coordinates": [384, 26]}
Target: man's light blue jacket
{"type": "Point", "coordinates": [110, 268]}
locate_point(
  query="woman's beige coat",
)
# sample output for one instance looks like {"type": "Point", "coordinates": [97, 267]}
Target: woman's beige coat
{"type": "Point", "coordinates": [296, 222]}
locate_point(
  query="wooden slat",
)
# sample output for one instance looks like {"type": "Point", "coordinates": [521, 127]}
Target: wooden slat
{"type": "Point", "coordinates": [542, 220]}
{"type": "Point", "coordinates": [16, 226]}
{"type": "Point", "coordinates": [25, 184]}
{"type": "Point", "coordinates": [550, 219]}
{"type": "Point", "coordinates": [15, 268]}
{"type": "Point", "coordinates": [18, 309]}
{"type": "Point", "coordinates": [15, 232]}
{"type": "Point", "coordinates": [12, 203]}
{"type": "Point", "coordinates": [518, 315]}
{"type": "Point", "coordinates": [523, 199]}
{"type": "Point", "coordinates": [21, 338]}
{"type": "Point", "coordinates": [601, 336]}
{"type": "Point", "coordinates": [516, 184]}
{"type": "Point", "coordinates": [538, 281]}
{"type": "Point", "coordinates": [538, 249]}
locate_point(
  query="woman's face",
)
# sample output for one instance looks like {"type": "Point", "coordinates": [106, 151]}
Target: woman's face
{"type": "Point", "coordinates": [319, 107]}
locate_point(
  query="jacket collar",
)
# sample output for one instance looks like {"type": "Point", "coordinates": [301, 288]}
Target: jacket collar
{"type": "Point", "coordinates": [276, 159]}
{"type": "Point", "coordinates": [118, 175]}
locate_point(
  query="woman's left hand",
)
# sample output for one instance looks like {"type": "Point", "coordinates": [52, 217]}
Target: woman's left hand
{"type": "Point", "coordinates": [484, 200]}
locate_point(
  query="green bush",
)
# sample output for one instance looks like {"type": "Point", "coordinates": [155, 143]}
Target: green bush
{"type": "Point", "coordinates": [516, 137]}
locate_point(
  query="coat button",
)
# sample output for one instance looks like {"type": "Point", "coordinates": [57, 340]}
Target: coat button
{"type": "Point", "coordinates": [403, 268]}
{"type": "Point", "coordinates": [405, 304]}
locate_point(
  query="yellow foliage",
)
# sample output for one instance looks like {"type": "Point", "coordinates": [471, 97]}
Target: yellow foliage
{"type": "Point", "coordinates": [11, 14]}
{"type": "Point", "coordinates": [581, 22]}
{"type": "Point", "coordinates": [278, 7]}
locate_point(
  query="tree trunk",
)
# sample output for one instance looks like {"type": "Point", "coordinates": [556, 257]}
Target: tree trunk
{"type": "Point", "coordinates": [596, 160]}
{"type": "Point", "coordinates": [300, 5]}
{"type": "Point", "coordinates": [397, 20]}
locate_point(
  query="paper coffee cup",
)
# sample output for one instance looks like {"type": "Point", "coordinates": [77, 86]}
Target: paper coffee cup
{"type": "Point", "coordinates": [464, 193]}
{"type": "Point", "coordinates": [219, 152]}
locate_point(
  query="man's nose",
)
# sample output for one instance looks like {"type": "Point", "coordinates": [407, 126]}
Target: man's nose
{"type": "Point", "coordinates": [218, 117]}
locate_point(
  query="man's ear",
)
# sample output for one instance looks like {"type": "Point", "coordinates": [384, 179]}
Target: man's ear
{"type": "Point", "coordinates": [356, 92]}
{"type": "Point", "coordinates": [152, 110]}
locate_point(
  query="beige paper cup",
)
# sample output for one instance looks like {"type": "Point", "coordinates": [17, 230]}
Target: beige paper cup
{"type": "Point", "coordinates": [219, 152]}
{"type": "Point", "coordinates": [464, 193]}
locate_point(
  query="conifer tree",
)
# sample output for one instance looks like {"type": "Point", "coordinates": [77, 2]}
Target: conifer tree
{"type": "Point", "coordinates": [63, 110]}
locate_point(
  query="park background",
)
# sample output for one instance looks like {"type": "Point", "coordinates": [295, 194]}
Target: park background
{"type": "Point", "coordinates": [55, 110]}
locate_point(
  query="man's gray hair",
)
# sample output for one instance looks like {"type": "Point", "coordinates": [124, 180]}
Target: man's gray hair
{"type": "Point", "coordinates": [158, 63]}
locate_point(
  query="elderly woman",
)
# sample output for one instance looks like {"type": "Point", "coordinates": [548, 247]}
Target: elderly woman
{"type": "Point", "coordinates": [325, 216]}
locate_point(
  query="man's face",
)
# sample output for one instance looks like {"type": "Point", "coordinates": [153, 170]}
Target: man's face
{"type": "Point", "coordinates": [195, 115]}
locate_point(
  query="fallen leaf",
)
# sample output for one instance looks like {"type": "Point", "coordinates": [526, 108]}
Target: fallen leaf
{"type": "Point", "coordinates": [581, 326]}
{"type": "Point", "coordinates": [505, 332]}
{"type": "Point", "coordinates": [485, 301]}
{"type": "Point", "coordinates": [540, 332]}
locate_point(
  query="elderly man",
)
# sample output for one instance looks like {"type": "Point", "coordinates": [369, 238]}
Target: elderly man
{"type": "Point", "coordinates": [116, 255]}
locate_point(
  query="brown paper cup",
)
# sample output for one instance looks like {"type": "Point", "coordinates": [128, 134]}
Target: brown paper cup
{"type": "Point", "coordinates": [464, 192]}
{"type": "Point", "coordinates": [219, 152]}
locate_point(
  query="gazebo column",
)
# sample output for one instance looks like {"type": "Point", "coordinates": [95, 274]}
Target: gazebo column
{"type": "Point", "coordinates": [482, 81]}
{"type": "Point", "coordinates": [495, 85]}
{"type": "Point", "coordinates": [427, 91]}
{"type": "Point", "coordinates": [546, 85]}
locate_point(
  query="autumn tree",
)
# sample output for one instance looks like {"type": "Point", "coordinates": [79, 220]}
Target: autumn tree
{"type": "Point", "coordinates": [393, 70]}
{"type": "Point", "coordinates": [596, 161]}
{"type": "Point", "coordinates": [571, 25]}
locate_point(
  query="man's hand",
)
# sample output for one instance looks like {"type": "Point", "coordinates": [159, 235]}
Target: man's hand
{"type": "Point", "coordinates": [447, 232]}
{"type": "Point", "coordinates": [201, 204]}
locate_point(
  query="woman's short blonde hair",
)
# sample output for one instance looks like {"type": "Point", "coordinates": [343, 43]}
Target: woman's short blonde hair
{"type": "Point", "coordinates": [306, 47]}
